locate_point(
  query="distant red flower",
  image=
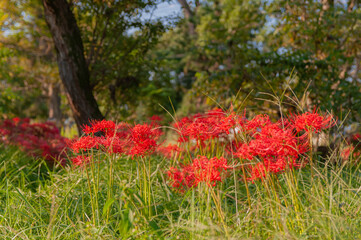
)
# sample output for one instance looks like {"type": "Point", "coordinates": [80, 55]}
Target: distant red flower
{"type": "Point", "coordinates": [112, 144]}
{"type": "Point", "coordinates": [16, 120]}
{"type": "Point", "coordinates": [169, 151]}
{"type": "Point", "coordinates": [80, 160]}
{"type": "Point", "coordinates": [350, 151]}
{"type": "Point", "coordinates": [37, 139]}
{"type": "Point", "coordinates": [156, 119]}
{"type": "Point", "coordinates": [356, 137]}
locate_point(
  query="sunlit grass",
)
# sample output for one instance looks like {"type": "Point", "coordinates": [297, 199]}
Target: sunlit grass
{"type": "Point", "coordinates": [72, 203]}
{"type": "Point", "coordinates": [129, 196]}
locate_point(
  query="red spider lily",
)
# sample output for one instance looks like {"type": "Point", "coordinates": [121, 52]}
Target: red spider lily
{"type": "Point", "coordinates": [353, 146]}
{"type": "Point", "coordinates": [272, 140]}
{"type": "Point", "coordinates": [257, 172]}
{"type": "Point", "coordinates": [272, 165]}
{"type": "Point", "coordinates": [275, 147]}
{"type": "Point", "coordinates": [168, 151]}
{"type": "Point", "coordinates": [85, 143]}
{"type": "Point", "coordinates": [313, 122]}
{"type": "Point", "coordinates": [209, 170]}
{"type": "Point", "coordinates": [356, 137]}
{"type": "Point", "coordinates": [195, 127]}
{"type": "Point", "coordinates": [216, 112]}
{"type": "Point", "coordinates": [16, 120]}
{"type": "Point", "coordinates": [114, 140]}
{"type": "Point", "coordinates": [202, 127]}
{"type": "Point", "coordinates": [80, 160]}
{"type": "Point", "coordinates": [123, 130]}
{"type": "Point", "coordinates": [181, 124]}
{"type": "Point", "coordinates": [177, 177]}
{"type": "Point", "coordinates": [143, 139]}
{"type": "Point", "coordinates": [228, 123]}
{"type": "Point", "coordinates": [117, 139]}
{"type": "Point", "coordinates": [350, 151]}
{"type": "Point", "coordinates": [155, 119]}
{"type": "Point", "coordinates": [104, 126]}
{"type": "Point", "coordinates": [257, 122]}
{"type": "Point", "coordinates": [112, 144]}
{"type": "Point", "coordinates": [200, 170]}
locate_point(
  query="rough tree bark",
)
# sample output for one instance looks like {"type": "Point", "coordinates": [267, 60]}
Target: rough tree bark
{"type": "Point", "coordinates": [73, 69]}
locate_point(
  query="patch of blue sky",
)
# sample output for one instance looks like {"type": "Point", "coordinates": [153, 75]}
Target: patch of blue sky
{"type": "Point", "coordinates": [166, 11]}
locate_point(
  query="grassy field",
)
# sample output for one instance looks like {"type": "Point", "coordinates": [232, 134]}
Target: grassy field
{"type": "Point", "coordinates": [112, 199]}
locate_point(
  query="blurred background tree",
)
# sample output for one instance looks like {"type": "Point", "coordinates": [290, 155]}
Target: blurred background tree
{"type": "Point", "coordinates": [116, 40]}
{"type": "Point", "coordinates": [321, 40]}
{"type": "Point", "coordinates": [28, 71]}
{"type": "Point", "coordinates": [212, 51]}
{"type": "Point", "coordinates": [254, 46]}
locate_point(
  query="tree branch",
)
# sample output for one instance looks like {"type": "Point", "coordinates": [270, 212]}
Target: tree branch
{"type": "Point", "coordinates": [188, 15]}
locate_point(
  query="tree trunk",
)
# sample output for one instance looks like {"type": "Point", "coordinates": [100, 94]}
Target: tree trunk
{"type": "Point", "coordinates": [350, 5]}
{"type": "Point", "coordinates": [54, 104]}
{"type": "Point", "coordinates": [188, 15]}
{"type": "Point", "coordinates": [73, 69]}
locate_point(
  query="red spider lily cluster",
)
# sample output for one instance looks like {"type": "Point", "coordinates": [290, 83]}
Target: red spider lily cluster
{"type": "Point", "coordinates": [258, 146]}
{"type": "Point", "coordinates": [112, 138]}
{"type": "Point", "coordinates": [261, 146]}
{"type": "Point", "coordinates": [274, 147]}
{"type": "Point", "coordinates": [37, 139]}
{"type": "Point", "coordinates": [102, 135]}
{"type": "Point", "coordinates": [211, 125]}
{"type": "Point", "coordinates": [200, 170]}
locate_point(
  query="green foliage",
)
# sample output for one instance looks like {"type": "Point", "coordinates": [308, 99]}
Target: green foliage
{"type": "Point", "coordinates": [27, 60]}
{"type": "Point", "coordinates": [246, 47]}
{"type": "Point", "coordinates": [116, 40]}
{"type": "Point", "coordinates": [237, 48]}
{"type": "Point", "coordinates": [17, 170]}
{"type": "Point", "coordinates": [321, 42]}
{"type": "Point", "coordinates": [17, 96]}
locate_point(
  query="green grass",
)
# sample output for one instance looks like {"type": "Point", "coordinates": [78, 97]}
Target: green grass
{"type": "Point", "coordinates": [108, 200]}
